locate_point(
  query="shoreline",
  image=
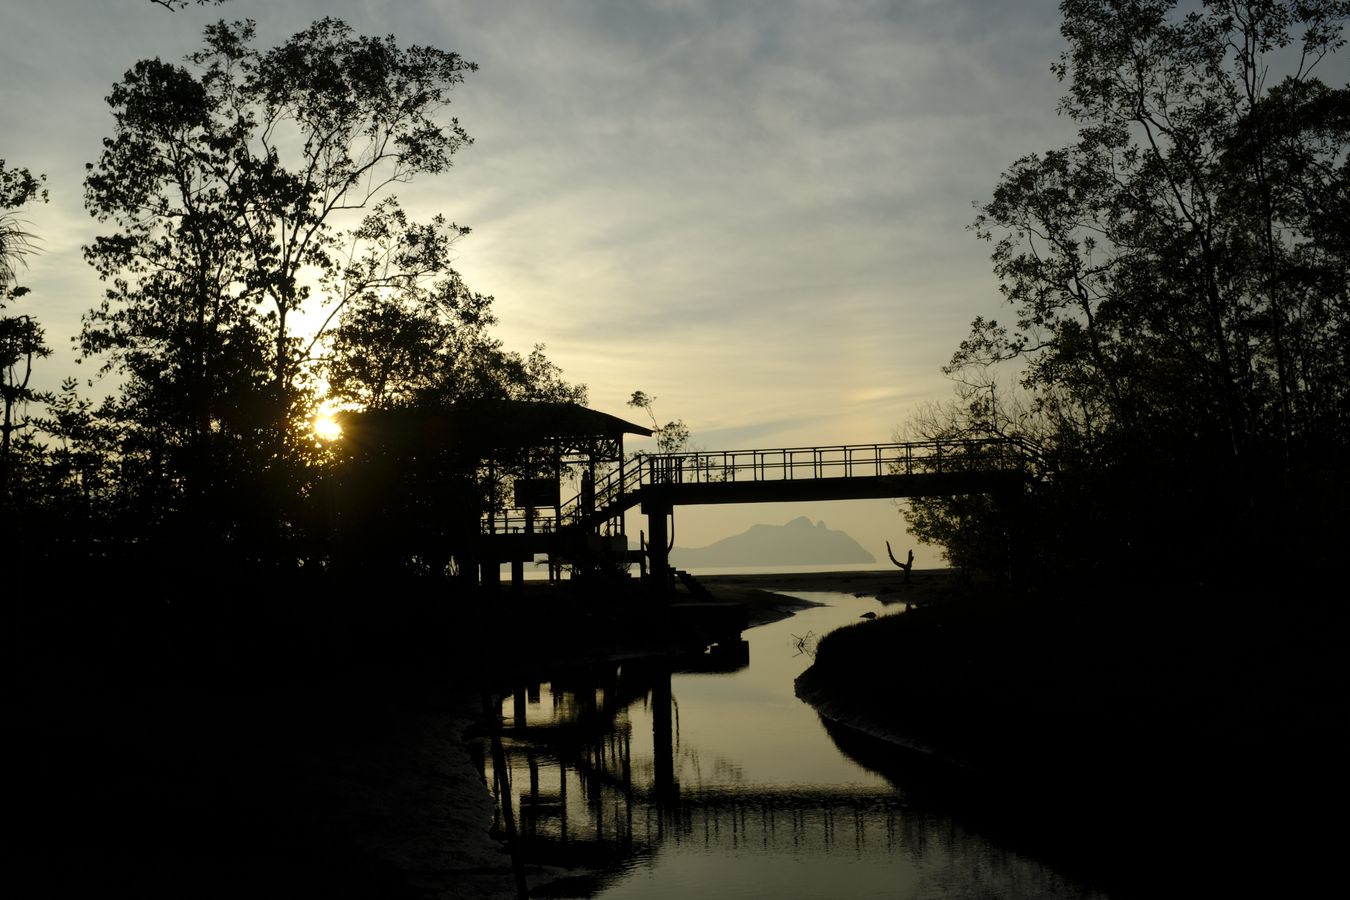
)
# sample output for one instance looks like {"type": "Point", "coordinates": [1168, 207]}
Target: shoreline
{"type": "Point", "coordinates": [171, 775]}
{"type": "Point", "coordinates": [773, 591]}
{"type": "Point", "coordinates": [1184, 719]}
{"type": "Point", "coordinates": [367, 780]}
{"type": "Point", "coordinates": [766, 592]}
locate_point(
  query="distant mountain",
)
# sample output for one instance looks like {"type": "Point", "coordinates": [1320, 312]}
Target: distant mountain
{"type": "Point", "coordinates": [799, 542]}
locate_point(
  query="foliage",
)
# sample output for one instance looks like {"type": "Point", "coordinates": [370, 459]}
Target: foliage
{"type": "Point", "coordinates": [672, 437]}
{"type": "Point", "coordinates": [256, 264]}
{"type": "Point", "coordinates": [21, 337]}
{"type": "Point", "coordinates": [429, 349]}
{"type": "Point", "coordinates": [226, 182]}
{"type": "Point", "coordinates": [1178, 280]}
{"type": "Point", "coordinates": [976, 531]}
{"type": "Point", "coordinates": [18, 187]}
{"type": "Point", "coordinates": [74, 484]}
{"type": "Point", "coordinates": [176, 5]}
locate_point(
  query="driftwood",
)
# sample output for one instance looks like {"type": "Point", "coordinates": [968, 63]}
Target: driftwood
{"type": "Point", "coordinates": [907, 565]}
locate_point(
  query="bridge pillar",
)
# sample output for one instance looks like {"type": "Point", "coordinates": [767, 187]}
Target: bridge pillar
{"type": "Point", "coordinates": [658, 543]}
{"type": "Point", "coordinates": [491, 569]}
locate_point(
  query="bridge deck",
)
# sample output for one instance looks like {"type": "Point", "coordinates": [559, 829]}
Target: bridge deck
{"type": "Point", "coordinates": [842, 472]}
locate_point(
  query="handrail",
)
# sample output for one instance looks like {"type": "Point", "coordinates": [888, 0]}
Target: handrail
{"type": "Point", "coordinates": [619, 489]}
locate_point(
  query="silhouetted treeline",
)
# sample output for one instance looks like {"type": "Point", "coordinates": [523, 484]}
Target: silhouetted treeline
{"type": "Point", "coordinates": [1179, 354]}
{"type": "Point", "coordinates": [243, 196]}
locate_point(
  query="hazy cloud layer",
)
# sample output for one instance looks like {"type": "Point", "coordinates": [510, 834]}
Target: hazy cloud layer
{"type": "Point", "coordinates": [756, 211]}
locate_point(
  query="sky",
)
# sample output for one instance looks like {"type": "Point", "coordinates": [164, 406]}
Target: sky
{"type": "Point", "coordinates": [756, 212]}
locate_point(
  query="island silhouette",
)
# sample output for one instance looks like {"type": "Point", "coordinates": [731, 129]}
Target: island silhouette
{"type": "Point", "coordinates": [798, 542]}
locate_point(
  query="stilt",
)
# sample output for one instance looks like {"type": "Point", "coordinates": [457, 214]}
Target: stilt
{"type": "Point", "coordinates": [658, 544]}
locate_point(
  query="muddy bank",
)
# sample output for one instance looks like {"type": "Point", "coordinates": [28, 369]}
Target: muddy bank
{"type": "Point", "coordinates": [229, 748]}
{"type": "Point", "coordinates": [354, 787]}
{"type": "Point", "coordinates": [1191, 719]}
{"type": "Point", "coordinates": [925, 586]}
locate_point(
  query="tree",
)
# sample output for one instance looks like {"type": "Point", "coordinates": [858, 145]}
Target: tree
{"type": "Point", "coordinates": [227, 181]}
{"type": "Point", "coordinates": [18, 187]}
{"type": "Point", "coordinates": [21, 337]}
{"type": "Point", "coordinates": [176, 5]}
{"type": "Point", "coordinates": [981, 533]}
{"type": "Point", "coordinates": [385, 354]}
{"type": "Point", "coordinates": [80, 486]}
{"type": "Point", "coordinates": [672, 437]}
{"type": "Point", "coordinates": [1178, 273]}
{"type": "Point", "coordinates": [431, 348]}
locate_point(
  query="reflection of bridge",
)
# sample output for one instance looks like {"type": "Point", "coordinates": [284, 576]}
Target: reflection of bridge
{"type": "Point", "coordinates": [567, 779]}
{"type": "Point", "coordinates": [820, 820]}
{"type": "Point", "coordinates": [660, 482]}
{"type": "Point", "coordinates": [593, 782]}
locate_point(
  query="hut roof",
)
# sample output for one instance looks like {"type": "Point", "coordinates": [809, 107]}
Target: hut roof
{"type": "Point", "coordinates": [484, 427]}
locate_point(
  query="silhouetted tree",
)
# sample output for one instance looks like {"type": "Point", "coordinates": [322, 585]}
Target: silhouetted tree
{"type": "Point", "coordinates": [672, 437]}
{"type": "Point", "coordinates": [21, 337]}
{"type": "Point", "coordinates": [226, 181]}
{"type": "Point", "coordinates": [976, 531]}
{"type": "Point", "coordinates": [427, 348]}
{"type": "Point", "coordinates": [175, 5]}
{"type": "Point", "coordinates": [1178, 276]}
{"type": "Point", "coordinates": [432, 348]}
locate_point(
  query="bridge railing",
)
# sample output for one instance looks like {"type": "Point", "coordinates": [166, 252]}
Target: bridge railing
{"type": "Point", "coordinates": [621, 486]}
{"type": "Point", "coordinates": [842, 461]}
{"type": "Point", "coordinates": [609, 492]}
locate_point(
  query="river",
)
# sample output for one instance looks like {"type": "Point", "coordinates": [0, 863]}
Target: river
{"type": "Point", "coordinates": [707, 776]}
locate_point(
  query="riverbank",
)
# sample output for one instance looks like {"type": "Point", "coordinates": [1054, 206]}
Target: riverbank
{"type": "Point", "coordinates": [1210, 725]}
{"type": "Point", "coordinates": [351, 786]}
{"type": "Point", "coordinates": [1166, 725]}
{"type": "Point", "coordinates": [234, 746]}
{"type": "Point", "coordinates": [767, 595]}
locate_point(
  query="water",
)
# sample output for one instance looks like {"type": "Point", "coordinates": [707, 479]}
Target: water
{"type": "Point", "coordinates": [708, 777]}
{"type": "Point", "coordinates": [537, 570]}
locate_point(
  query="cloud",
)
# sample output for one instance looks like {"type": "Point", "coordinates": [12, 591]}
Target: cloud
{"type": "Point", "coordinates": [756, 203]}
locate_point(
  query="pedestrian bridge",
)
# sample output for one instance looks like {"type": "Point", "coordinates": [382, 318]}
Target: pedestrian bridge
{"type": "Point", "coordinates": [657, 483]}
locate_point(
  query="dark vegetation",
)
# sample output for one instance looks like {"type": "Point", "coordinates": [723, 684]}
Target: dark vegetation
{"type": "Point", "coordinates": [260, 271]}
{"type": "Point", "coordinates": [1157, 648]}
{"type": "Point", "coordinates": [1180, 347]}
{"type": "Point", "coordinates": [1182, 738]}
{"type": "Point", "coordinates": [198, 703]}
{"type": "Point", "coordinates": [1180, 335]}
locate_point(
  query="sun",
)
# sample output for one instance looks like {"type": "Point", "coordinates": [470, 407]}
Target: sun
{"type": "Point", "coordinates": [327, 428]}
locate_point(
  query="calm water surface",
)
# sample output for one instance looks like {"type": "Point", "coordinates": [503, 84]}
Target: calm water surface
{"type": "Point", "coordinates": [708, 777]}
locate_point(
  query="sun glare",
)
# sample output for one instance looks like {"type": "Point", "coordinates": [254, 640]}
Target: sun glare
{"type": "Point", "coordinates": [327, 428]}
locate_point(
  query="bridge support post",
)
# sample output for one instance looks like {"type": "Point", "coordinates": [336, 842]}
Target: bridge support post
{"type": "Point", "coordinates": [658, 543]}
{"type": "Point", "coordinates": [491, 569]}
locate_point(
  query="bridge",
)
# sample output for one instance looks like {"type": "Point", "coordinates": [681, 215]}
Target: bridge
{"type": "Point", "coordinates": [657, 483]}
{"type": "Point", "coordinates": [483, 483]}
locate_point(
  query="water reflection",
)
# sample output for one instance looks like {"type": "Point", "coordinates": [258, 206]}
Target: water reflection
{"type": "Point", "coordinates": [664, 778]}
